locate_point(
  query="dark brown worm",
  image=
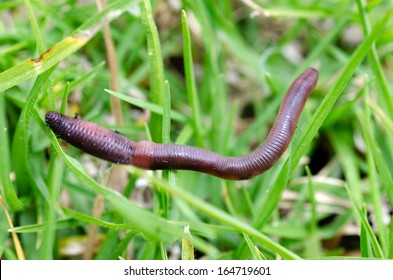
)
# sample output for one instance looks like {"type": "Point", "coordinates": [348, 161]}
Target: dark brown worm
{"type": "Point", "coordinates": [116, 148]}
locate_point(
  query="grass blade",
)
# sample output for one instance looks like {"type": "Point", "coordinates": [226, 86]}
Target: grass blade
{"type": "Point", "coordinates": [190, 81]}
{"type": "Point", "coordinates": [156, 67]}
{"type": "Point", "coordinates": [157, 109]}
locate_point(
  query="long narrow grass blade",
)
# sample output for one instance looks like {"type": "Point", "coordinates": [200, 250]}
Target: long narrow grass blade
{"type": "Point", "coordinates": [190, 81]}
{"type": "Point", "coordinates": [175, 115]}
{"type": "Point", "coordinates": [156, 67]}
{"type": "Point", "coordinates": [18, 246]}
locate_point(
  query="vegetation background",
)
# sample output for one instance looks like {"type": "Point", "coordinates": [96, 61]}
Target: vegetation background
{"type": "Point", "coordinates": [205, 73]}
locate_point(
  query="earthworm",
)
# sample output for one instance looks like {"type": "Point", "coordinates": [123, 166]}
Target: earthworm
{"type": "Point", "coordinates": [116, 148]}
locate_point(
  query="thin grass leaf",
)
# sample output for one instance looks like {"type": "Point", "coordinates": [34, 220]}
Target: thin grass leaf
{"type": "Point", "coordinates": [187, 247]}
{"type": "Point", "coordinates": [372, 4]}
{"type": "Point", "coordinates": [64, 99]}
{"type": "Point", "coordinates": [367, 228]}
{"type": "Point", "coordinates": [190, 81]}
{"type": "Point", "coordinates": [156, 67]}
{"type": "Point", "coordinates": [92, 220]}
{"type": "Point", "coordinates": [108, 246]}
{"type": "Point", "coordinates": [6, 186]}
{"type": "Point", "coordinates": [288, 12]}
{"type": "Point", "coordinates": [365, 246]}
{"type": "Point", "coordinates": [157, 109]}
{"type": "Point", "coordinates": [313, 203]}
{"type": "Point", "coordinates": [386, 176]}
{"type": "Point", "coordinates": [374, 187]}
{"type": "Point", "coordinates": [17, 244]}
{"type": "Point", "coordinates": [79, 81]}
{"type": "Point", "coordinates": [386, 121]}
{"type": "Point", "coordinates": [166, 138]}
{"type": "Point", "coordinates": [390, 256]}
{"type": "Point", "coordinates": [20, 148]}
{"type": "Point", "coordinates": [342, 143]}
{"type": "Point", "coordinates": [256, 255]}
{"type": "Point", "coordinates": [54, 184]}
{"type": "Point", "coordinates": [34, 228]}
{"type": "Point", "coordinates": [166, 116]}
{"type": "Point", "coordinates": [34, 26]}
{"type": "Point", "coordinates": [123, 244]}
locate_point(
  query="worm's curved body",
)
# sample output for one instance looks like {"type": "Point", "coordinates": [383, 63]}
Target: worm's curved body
{"type": "Point", "coordinates": [114, 147]}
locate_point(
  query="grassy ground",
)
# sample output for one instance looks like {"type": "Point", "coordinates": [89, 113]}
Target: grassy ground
{"type": "Point", "coordinates": [205, 74]}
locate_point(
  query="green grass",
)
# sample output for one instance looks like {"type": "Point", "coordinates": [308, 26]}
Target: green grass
{"type": "Point", "coordinates": [207, 75]}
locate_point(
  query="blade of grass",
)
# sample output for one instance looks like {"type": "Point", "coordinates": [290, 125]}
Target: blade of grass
{"type": "Point", "coordinates": [253, 249]}
{"type": "Point", "coordinates": [365, 246]}
{"type": "Point", "coordinates": [63, 100]}
{"type": "Point", "coordinates": [6, 186]}
{"type": "Point", "coordinates": [123, 244]}
{"type": "Point", "coordinates": [157, 109]}
{"type": "Point", "coordinates": [372, 4]}
{"type": "Point", "coordinates": [156, 67]}
{"type": "Point", "coordinates": [367, 227]}
{"type": "Point", "coordinates": [55, 175]}
{"type": "Point", "coordinates": [385, 174]}
{"type": "Point", "coordinates": [304, 12]}
{"type": "Point", "coordinates": [342, 143]}
{"type": "Point", "coordinates": [92, 220]}
{"type": "Point", "coordinates": [190, 81]}
{"type": "Point", "coordinates": [60, 224]}
{"type": "Point", "coordinates": [34, 26]}
{"type": "Point", "coordinates": [373, 179]}
{"type": "Point", "coordinates": [390, 256]}
{"type": "Point", "coordinates": [18, 246]}
{"type": "Point", "coordinates": [77, 81]}
{"type": "Point", "coordinates": [161, 197]}
{"type": "Point", "coordinates": [313, 244]}
{"type": "Point", "coordinates": [166, 116]}
{"type": "Point", "coordinates": [187, 248]}
{"type": "Point", "coordinates": [20, 148]}
{"type": "Point", "coordinates": [387, 122]}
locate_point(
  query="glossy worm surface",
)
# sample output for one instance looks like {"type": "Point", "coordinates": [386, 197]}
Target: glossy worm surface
{"type": "Point", "coordinates": [116, 148]}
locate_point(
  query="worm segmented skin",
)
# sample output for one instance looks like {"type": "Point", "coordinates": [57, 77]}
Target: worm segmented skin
{"type": "Point", "coordinates": [91, 138]}
{"type": "Point", "coordinates": [113, 147]}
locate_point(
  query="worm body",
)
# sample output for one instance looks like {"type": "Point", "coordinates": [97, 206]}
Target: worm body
{"type": "Point", "coordinates": [114, 147]}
